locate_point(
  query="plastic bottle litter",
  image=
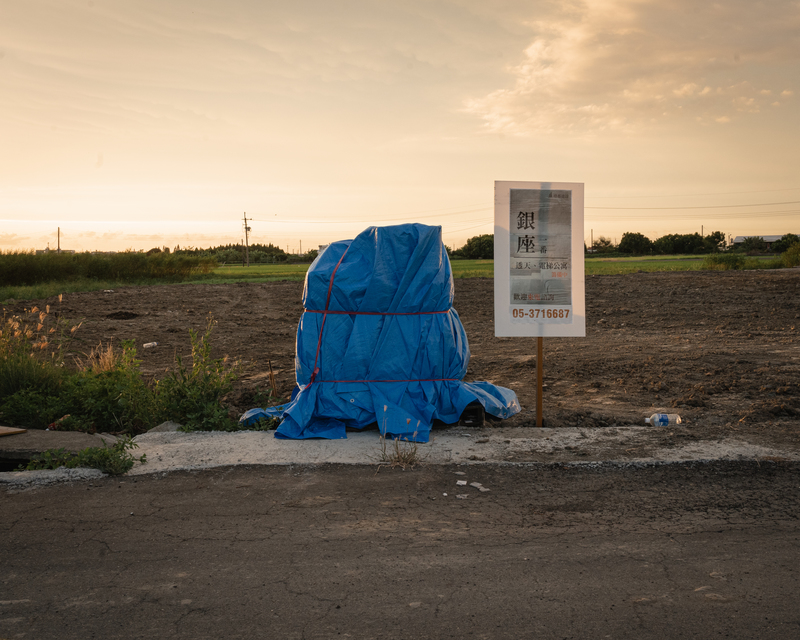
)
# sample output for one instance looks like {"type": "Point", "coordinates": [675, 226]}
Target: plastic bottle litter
{"type": "Point", "coordinates": [148, 345]}
{"type": "Point", "coordinates": [663, 419]}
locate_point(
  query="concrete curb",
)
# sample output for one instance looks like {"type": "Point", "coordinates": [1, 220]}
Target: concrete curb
{"type": "Point", "coordinates": [168, 451]}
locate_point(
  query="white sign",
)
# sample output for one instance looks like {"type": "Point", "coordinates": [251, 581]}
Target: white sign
{"type": "Point", "coordinates": [538, 259]}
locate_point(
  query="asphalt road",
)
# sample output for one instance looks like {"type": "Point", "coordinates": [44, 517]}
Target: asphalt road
{"type": "Point", "coordinates": [664, 551]}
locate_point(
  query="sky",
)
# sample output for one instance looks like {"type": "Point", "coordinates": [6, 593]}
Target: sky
{"type": "Point", "coordinates": [142, 123]}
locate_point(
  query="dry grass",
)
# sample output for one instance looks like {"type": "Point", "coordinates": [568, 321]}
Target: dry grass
{"type": "Point", "coordinates": [100, 359]}
{"type": "Point", "coordinates": [398, 452]}
{"type": "Point", "coordinates": [32, 348]}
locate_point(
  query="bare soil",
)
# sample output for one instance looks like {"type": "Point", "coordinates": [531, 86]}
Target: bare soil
{"type": "Point", "coordinates": [719, 348]}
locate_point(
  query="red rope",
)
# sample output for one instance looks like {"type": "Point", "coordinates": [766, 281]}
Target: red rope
{"type": "Point", "coordinates": [327, 303]}
{"type": "Point", "coordinates": [417, 380]}
{"type": "Point", "coordinates": [374, 313]}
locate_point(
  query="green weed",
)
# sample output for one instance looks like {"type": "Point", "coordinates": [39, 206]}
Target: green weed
{"type": "Point", "coordinates": [114, 460]}
{"type": "Point", "coordinates": [192, 395]}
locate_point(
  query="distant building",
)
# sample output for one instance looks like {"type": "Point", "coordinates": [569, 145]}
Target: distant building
{"type": "Point", "coordinates": [768, 239]}
{"type": "Point", "coordinates": [49, 250]}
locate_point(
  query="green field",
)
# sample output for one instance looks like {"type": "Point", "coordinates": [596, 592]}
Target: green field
{"type": "Point", "coordinates": [467, 268]}
{"type": "Point", "coordinates": [461, 268]}
{"type": "Point", "coordinates": [272, 272]}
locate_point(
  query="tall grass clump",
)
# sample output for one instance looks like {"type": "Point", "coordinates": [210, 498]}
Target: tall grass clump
{"type": "Point", "coordinates": [191, 395]}
{"type": "Point", "coordinates": [26, 268]}
{"type": "Point", "coordinates": [32, 347]}
{"type": "Point", "coordinates": [724, 261]}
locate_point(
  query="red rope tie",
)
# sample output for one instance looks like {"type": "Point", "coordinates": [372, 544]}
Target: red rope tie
{"type": "Point", "coordinates": [327, 303]}
{"type": "Point", "coordinates": [417, 380]}
{"type": "Point", "coordinates": [374, 313]}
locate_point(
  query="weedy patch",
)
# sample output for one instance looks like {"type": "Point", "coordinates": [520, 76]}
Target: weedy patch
{"type": "Point", "coordinates": [114, 460]}
{"type": "Point", "coordinates": [106, 390]}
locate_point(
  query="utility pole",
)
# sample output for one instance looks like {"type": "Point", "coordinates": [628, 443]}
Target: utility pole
{"type": "Point", "coordinates": [246, 240]}
{"type": "Point", "coordinates": [301, 247]}
{"type": "Point", "coordinates": [59, 240]}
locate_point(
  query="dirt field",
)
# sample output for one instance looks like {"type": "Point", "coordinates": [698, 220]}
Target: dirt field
{"type": "Point", "coordinates": [719, 348]}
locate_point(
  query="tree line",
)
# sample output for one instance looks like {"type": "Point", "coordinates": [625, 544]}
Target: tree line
{"type": "Point", "coordinates": [637, 244]}
{"type": "Point", "coordinates": [236, 253]}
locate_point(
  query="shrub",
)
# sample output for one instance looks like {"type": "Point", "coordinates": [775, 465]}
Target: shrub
{"type": "Point", "coordinates": [192, 396]}
{"type": "Point", "coordinates": [724, 261]}
{"type": "Point", "coordinates": [114, 400]}
{"type": "Point", "coordinates": [114, 460]}
{"type": "Point", "coordinates": [791, 257]}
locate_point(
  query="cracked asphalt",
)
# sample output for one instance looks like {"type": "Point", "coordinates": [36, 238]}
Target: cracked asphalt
{"type": "Point", "coordinates": [612, 550]}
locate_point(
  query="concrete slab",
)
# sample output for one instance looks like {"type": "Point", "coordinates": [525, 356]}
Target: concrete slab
{"type": "Point", "coordinates": [168, 451]}
{"type": "Point", "coordinates": [173, 451]}
{"type": "Point", "coordinates": [33, 441]}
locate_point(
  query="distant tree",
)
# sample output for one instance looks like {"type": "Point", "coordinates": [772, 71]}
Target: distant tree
{"type": "Point", "coordinates": [153, 250]}
{"type": "Point", "coordinates": [753, 244]}
{"type": "Point", "coordinates": [714, 241]}
{"type": "Point", "coordinates": [635, 243]}
{"type": "Point", "coordinates": [785, 242]}
{"type": "Point", "coordinates": [675, 243]}
{"type": "Point", "coordinates": [478, 247]}
{"type": "Point", "coordinates": [604, 245]}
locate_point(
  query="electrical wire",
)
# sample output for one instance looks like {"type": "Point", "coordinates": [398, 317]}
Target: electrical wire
{"type": "Point", "coordinates": [691, 195]}
{"type": "Point", "coordinates": [714, 206]}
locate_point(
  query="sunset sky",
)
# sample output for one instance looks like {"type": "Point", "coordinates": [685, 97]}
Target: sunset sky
{"type": "Point", "coordinates": [143, 123]}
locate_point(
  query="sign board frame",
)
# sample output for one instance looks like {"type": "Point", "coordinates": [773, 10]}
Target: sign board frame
{"type": "Point", "coordinates": [549, 280]}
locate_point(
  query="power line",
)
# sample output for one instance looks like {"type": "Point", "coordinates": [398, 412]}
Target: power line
{"type": "Point", "coordinates": [735, 215]}
{"type": "Point", "coordinates": [715, 206]}
{"type": "Point", "coordinates": [353, 221]}
{"type": "Point", "coordinates": [691, 195]}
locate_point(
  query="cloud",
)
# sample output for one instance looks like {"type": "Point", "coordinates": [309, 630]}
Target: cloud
{"type": "Point", "coordinates": [625, 65]}
{"type": "Point", "coordinates": [12, 239]}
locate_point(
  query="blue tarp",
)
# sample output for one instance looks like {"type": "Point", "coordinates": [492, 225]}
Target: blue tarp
{"type": "Point", "coordinates": [379, 341]}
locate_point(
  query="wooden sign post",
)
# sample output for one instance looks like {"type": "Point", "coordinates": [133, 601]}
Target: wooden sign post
{"type": "Point", "coordinates": [539, 380]}
{"type": "Point", "coordinates": [539, 287]}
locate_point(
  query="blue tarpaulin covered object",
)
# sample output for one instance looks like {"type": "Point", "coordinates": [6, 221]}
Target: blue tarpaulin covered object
{"type": "Point", "coordinates": [379, 341]}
